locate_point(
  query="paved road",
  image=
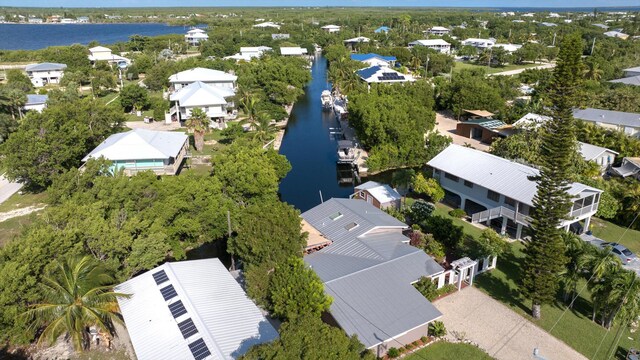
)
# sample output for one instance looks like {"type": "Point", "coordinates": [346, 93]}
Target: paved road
{"type": "Point", "coordinates": [634, 265]}
{"type": "Point", "coordinates": [518, 71]}
{"type": "Point", "coordinates": [500, 331]}
{"type": "Point", "coordinates": [7, 189]}
{"type": "Point", "coordinates": [446, 125]}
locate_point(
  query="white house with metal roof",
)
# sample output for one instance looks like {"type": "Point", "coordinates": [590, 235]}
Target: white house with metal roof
{"type": "Point", "coordinates": [191, 310]}
{"type": "Point", "coordinates": [195, 36]}
{"type": "Point", "coordinates": [435, 44]}
{"type": "Point", "coordinates": [634, 71]}
{"type": "Point", "coordinates": [36, 102]}
{"type": "Point", "coordinates": [630, 167]}
{"type": "Point", "coordinates": [598, 154]}
{"type": "Point", "coordinates": [250, 52]}
{"type": "Point", "coordinates": [331, 28]}
{"type": "Point", "coordinates": [368, 269]}
{"type": "Point", "coordinates": [141, 150]}
{"type": "Point", "coordinates": [438, 30]}
{"type": "Point", "coordinates": [379, 195]}
{"type": "Point", "coordinates": [213, 100]}
{"type": "Point", "coordinates": [267, 24]}
{"type": "Point", "coordinates": [629, 123]}
{"type": "Point", "coordinates": [292, 51]}
{"type": "Point", "coordinates": [101, 53]}
{"type": "Point", "coordinates": [480, 44]}
{"type": "Point", "coordinates": [492, 188]}
{"type": "Point", "coordinates": [210, 77]}
{"type": "Point", "coordinates": [383, 74]}
{"type": "Point", "coordinates": [45, 73]}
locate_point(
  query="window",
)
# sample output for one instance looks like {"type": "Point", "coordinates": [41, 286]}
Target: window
{"type": "Point", "coordinates": [351, 226]}
{"type": "Point", "coordinates": [451, 177]}
{"type": "Point", "coordinates": [509, 201]}
{"type": "Point", "coordinates": [436, 171]}
{"type": "Point", "coordinates": [468, 184]}
{"type": "Point", "coordinates": [336, 216]}
{"type": "Point", "coordinates": [492, 195]}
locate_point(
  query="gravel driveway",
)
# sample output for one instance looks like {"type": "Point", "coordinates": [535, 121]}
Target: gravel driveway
{"type": "Point", "coordinates": [446, 125]}
{"type": "Point", "coordinates": [497, 329]}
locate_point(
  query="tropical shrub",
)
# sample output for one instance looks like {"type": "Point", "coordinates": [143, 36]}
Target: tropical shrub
{"type": "Point", "coordinates": [458, 213]}
{"type": "Point", "coordinates": [393, 353]}
{"type": "Point", "coordinates": [421, 211]}
{"type": "Point", "coordinates": [437, 329]}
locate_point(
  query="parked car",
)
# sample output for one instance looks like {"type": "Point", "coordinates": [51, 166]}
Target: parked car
{"type": "Point", "coordinates": [625, 255]}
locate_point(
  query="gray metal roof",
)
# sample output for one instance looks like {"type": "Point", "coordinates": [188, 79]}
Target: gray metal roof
{"type": "Point", "coordinates": [633, 80]}
{"type": "Point", "coordinates": [226, 320]}
{"type": "Point", "coordinates": [495, 173]}
{"type": "Point", "coordinates": [369, 270]}
{"type": "Point", "coordinates": [590, 152]}
{"type": "Point", "coordinates": [140, 144]}
{"type": "Point", "coordinates": [608, 117]}
{"type": "Point", "coordinates": [46, 67]}
{"type": "Point", "coordinates": [33, 99]}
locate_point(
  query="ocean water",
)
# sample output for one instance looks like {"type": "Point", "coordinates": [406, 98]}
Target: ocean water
{"type": "Point", "coordinates": [38, 36]}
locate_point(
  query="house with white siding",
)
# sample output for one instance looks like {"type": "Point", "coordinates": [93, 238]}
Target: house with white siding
{"type": "Point", "coordinates": [196, 36]}
{"type": "Point", "coordinates": [435, 44]}
{"type": "Point", "coordinates": [628, 123]}
{"type": "Point", "coordinates": [500, 192]}
{"type": "Point", "coordinates": [597, 154]}
{"type": "Point", "coordinates": [45, 73]}
{"type": "Point", "coordinates": [331, 28]}
{"type": "Point", "coordinates": [479, 44]}
{"type": "Point", "coordinates": [36, 102]}
{"type": "Point", "coordinates": [212, 100]}
{"type": "Point", "coordinates": [292, 51]}
{"type": "Point", "coordinates": [438, 31]}
{"type": "Point", "coordinates": [101, 53]}
{"type": "Point", "coordinates": [383, 74]}
{"type": "Point", "coordinates": [210, 77]}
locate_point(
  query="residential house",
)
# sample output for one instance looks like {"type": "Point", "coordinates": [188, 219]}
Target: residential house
{"type": "Point", "coordinates": [367, 268]}
{"type": "Point", "coordinates": [519, 21]}
{"type": "Point", "coordinates": [382, 29]}
{"type": "Point", "coordinates": [210, 77]}
{"type": "Point", "coordinates": [548, 24]}
{"type": "Point", "coordinates": [36, 102]}
{"type": "Point", "coordinates": [617, 34]}
{"type": "Point", "coordinates": [631, 77]}
{"type": "Point", "coordinates": [195, 36]}
{"type": "Point", "coordinates": [212, 100]}
{"type": "Point", "coordinates": [630, 167]}
{"type": "Point", "coordinates": [35, 20]}
{"type": "Point", "coordinates": [484, 130]}
{"type": "Point", "coordinates": [383, 74]}
{"type": "Point", "coordinates": [634, 71]}
{"type": "Point", "coordinates": [601, 26]}
{"type": "Point", "coordinates": [600, 155]}
{"type": "Point", "coordinates": [510, 48]}
{"type": "Point", "coordinates": [101, 53]}
{"type": "Point", "coordinates": [331, 28]}
{"type": "Point", "coordinates": [249, 53]}
{"type": "Point", "coordinates": [141, 150]}
{"type": "Point", "coordinates": [435, 44]}
{"type": "Point", "coordinates": [45, 73]}
{"type": "Point", "coordinates": [267, 24]}
{"type": "Point", "coordinates": [353, 43]}
{"type": "Point", "coordinates": [292, 51]}
{"type": "Point", "coordinates": [479, 44]}
{"type": "Point", "coordinates": [476, 114]}
{"type": "Point", "coordinates": [372, 59]}
{"type": "Point", "coordinates": [67, 21]}
{"type": "Point", "coordinates": [500, 192]}
{"type": "Point", "coordinates": [379, 195]}
{"type": "Point", "coordinates": [438, 31]}
{"type": "Point", "coordinates": [191, 310]}
{"type": "Point", "coordinates": [280, 36]}
{"type": "Point", "coordinates": [531, 120]}
{"type": "Point", "coordinates": [83, 20]}
{"type": "Point", "coordinates": [629, 123]}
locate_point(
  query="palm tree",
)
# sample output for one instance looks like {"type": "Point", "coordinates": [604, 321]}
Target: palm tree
{"type": "Point", "coordinates": [198, 123]}
{"type": "Point", "coordinates": [402, 179]}
{"type": "Point", "coordinates": [575, 252]}
{"type": "Point", "coordinates": [415, 63]}
{"type": "Point", "coordinates": [264, 129]}
{"type": "Point", "coordinates": [13, 100]}
{"type": "Point", "coordinates": [248, 104]}
{"type": "Point", "coordinates": [593, 71]}
{"type": "Point", "coordinates": [77, 296]}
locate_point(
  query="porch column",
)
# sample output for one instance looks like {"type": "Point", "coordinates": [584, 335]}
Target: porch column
{"type": "Point", "coordinates": [518, 231]}
{"type": "Point", "coordinates": [472, 274]}
{"type": "Point", "coordinates": [452, 275]}
{"type": "Point", "coordinates": [566, 227]}
{"type": "Point", "coordinates": [494, 262]}
{"type": "Point", "coordinates": [485, 263]}
{"type": "Point", "coordinates": [503, 230]}
{"type": "Point", "coordinates": [463, 201]}
{"type": "Point", "coordinates": [441, 281]}
{"type": "Point", "coordinates": [461, 273]}
{"type": "Point", "coordinates": [587, 222]}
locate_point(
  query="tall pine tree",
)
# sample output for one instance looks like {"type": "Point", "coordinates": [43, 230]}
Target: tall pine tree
{"type": "Point", "coordinates": [545, 257]}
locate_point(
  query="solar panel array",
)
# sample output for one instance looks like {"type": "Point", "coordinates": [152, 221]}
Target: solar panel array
{"type": "Point", "coordinates": [389, 76]}
{"type": "Point", "coordinates": [198, 348]}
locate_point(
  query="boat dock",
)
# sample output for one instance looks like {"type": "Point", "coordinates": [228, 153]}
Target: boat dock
{"type": "Point", "coordinates": [362, 155]}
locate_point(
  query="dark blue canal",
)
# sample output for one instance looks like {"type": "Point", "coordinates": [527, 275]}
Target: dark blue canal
{"type": "Point", "coordinates": [310, 148]}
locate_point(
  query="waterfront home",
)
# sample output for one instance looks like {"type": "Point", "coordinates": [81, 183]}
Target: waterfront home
{"type": "Point", "coordinates": [141, 150]}
{"type": "Point", "coordinates": [617, 34]}
{"type": "Point", "coordinates": [352, 43]}
{"type": "Point", "coordinates": [379, 195]}
{"type": "Point", "coordinates": [35, 20]}
{"type": "Point", "coordinates": [36, 102]}
{"type": "Point", "coordinates": [212, 100]}
{"type": "Point", "coordinates": [484, 130]}
{"type": "Point", "coordinates": [598, 154]}
{"type": "Point", "coordinates": [372, 59]}
{"type": "Point", "coordinates": [438, 31]}
{"type": "Point", "coordinates": [67, 21]}
{"type": "Point", "coordinates": [500, 192]}
{"type": "Point", "coordinates": [267, 24]}
{"type": "Point", "coordinates": [280, 36]}
{"type": "Point", "coordinates": [210, 77]}
{"type": "Point", "coordinates": [629, 123]}
{"type": "Point", "coordinates": [630, 167]}
{"type": "Point", "coordinates": [331, 28]}
{"type": "Point", "coordinates": [101, 53]}
{"type": "Point", "coordinates": [195, 36]}
{"type": "Point", "coordinates": [45, 73]}
{"type": "Point", "coordinates": [383, 74]}
{"type": "Point", "coordinates": [292, 51]}
{"type": "Point", "coordinates": [249, 53]}
{"type": "Point", "coordinates": [435, 44]}
{"type": "Point", "coordinates": [82, 19]}
{"type": "Point", "coordinates": [191, 309]}
{"type": "Point", "coordinates": [479, 44]}
{"type": "Point", "coordinates": [382, 29]}
{"type": "Point", "coordinates": [367, 267]}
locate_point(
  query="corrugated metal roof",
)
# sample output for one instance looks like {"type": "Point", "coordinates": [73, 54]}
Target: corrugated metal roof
{"type": "Point", "coordinates": [45, 67]}
{"type": "Point", "coordinates": [201, 74]}
{"type": "Point", "coordinates": [608, 117]}
{"type": "Point", "coordinates": [140, 144]}
{"type": "Point", "coordinates": [494, 173]}
{"type": "Point", "coordinates": [292, 50]}
{"type": "Point", "coordinates": [430, 42]}
{"type": "Point", "coordinates": [226, 319]}
{"type": "Point", "coordinates": [590, 152]}
{"type": "Point", "coordinates": [633, 80]}
{"type": "Point", "coordinates": [363, 57]}
{"type": "Point", "coordinates": [201, 94]}
{"type": "Point", "coordinates": [381, 192]}
{"type": "Point", "coordinates": [33, 99]}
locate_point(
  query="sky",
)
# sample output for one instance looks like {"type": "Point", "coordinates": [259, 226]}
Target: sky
{"type": "Point", "coordinates": [210, 3]}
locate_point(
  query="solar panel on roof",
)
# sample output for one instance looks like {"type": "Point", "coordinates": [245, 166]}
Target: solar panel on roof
{"type": "Point", "coordinates": [187, 328]}
{"type": "Point", "coordinates": [199, 349]}
{"type": "Point", "coordinates": [168, 292]}
{"type": "Point", "coordinates": [177, 309]}
{"type": "Point", "coordinates": [160, 277]}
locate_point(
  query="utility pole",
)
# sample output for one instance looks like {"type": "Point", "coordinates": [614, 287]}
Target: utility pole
{"type": "Point", "coordinates": [554, 39]}
{"type": "Point", "coordinates": [426, 67]}
{"type": "Point", "coordinates": [593, 46]}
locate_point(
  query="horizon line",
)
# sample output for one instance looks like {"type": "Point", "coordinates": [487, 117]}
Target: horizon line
{"type": "Point", "coordinates": [324, 7]}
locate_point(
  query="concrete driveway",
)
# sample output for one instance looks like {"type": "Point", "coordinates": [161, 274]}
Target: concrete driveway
{"type": "Point", "coordinates": [597, 242]}
{"type": "Point", "coordinates": [446, 125]}
{"type": "Point", "coordinates": [500, 331]}
{"type": "Point", "coordinates": [7, 188]}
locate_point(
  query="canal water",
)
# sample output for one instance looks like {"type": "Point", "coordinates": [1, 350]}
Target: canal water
{"type": "Point", "coordinates": [310, 147]}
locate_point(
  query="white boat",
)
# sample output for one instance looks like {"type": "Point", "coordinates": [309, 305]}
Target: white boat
{"type": "Point", "coordinates": [327, 99]}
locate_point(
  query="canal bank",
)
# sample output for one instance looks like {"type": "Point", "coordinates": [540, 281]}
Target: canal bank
{"type": "Point", "coordinates": [310, 147]}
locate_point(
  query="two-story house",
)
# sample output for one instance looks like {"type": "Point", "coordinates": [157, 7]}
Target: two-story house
{"type": "Point", "coordinates": [45, 73]}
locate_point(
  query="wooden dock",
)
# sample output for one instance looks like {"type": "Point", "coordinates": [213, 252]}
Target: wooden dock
{"type": "Point", "coordinates": [362, 155]}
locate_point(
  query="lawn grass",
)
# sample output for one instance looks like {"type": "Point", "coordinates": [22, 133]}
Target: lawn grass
{"type": "Point", "coordinates": [134, 117]}
{"type": "Point", "coordinates": [445, 351]}
{"type": "Point", "coordinates": [575, 328]}
{"type": "Point", "coordinates": [469, 229]}
{"type": "Point", "coordinates": [17, 201]}
{"type": "Point", "coordinates": [459, 66]}
{"type": "Point", "coordinates": [614, 233]}
{"type": "Point", "coordinates": [12, 227]}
